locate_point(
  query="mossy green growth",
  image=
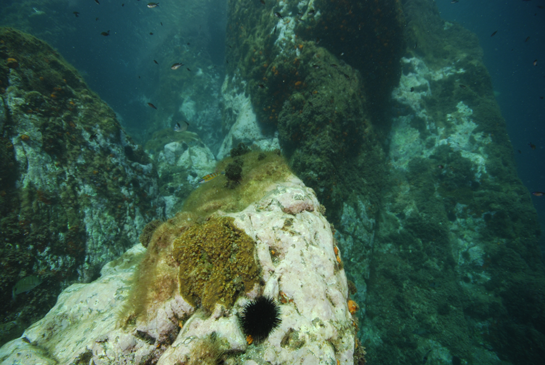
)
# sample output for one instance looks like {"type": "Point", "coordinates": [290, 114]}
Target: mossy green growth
{"type": "Point", "coordinates": [259, 171]}
{"type": "Point", "coordinates": [216, 263]}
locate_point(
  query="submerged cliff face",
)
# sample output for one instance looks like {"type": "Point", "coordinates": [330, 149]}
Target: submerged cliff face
{"type": "Point", "coordinates": [75, 190]}
{"type": "Point", "coordinates": [448, 269]}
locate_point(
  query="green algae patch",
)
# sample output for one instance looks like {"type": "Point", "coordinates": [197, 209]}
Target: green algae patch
{"type": "Point", "coordinates": [216, 263]}
{"type": "Point", "coordinates": [260, 170]}
{"type": "Point", "coordinates": [155, 279]}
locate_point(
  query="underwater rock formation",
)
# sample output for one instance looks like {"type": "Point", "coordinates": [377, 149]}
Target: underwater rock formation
{"type": "Point", "coordinates": [300, 269]}
{"type": "Point", "coordinates": [240, 123]}
{"type": "Point", "coordinates": [75, 190]}
{"type": "Point", "coordinates": [444, 267]}
{"type": "Point", "coordinates": [388, 113]}
{"type": "Point", "coordinates": [318, 73]}
{"type": "Point", "coordinates": [181, 159]}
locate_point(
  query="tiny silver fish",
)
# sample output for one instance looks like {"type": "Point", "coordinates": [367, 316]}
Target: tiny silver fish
{"type": "Point", "coordinates": [153, 5]}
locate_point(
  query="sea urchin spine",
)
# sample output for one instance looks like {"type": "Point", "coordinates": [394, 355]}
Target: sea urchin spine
{"type": "Point", "coordinates": [259, 318]}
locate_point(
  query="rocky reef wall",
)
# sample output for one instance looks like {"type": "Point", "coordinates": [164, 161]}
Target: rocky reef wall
{"type": "Point", "coordinates": [315, 72]}
{"type": "Point", "coordinates": [448, 271]}
{"type": "Point", "coordinates": [397, 130]}
{"type": "Point", "coordinates": [75, 189]}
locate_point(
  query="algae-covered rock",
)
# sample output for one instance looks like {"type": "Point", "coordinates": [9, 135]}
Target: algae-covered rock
{"type": "Point", "coordinates": [310, 77]}
{"type": "Point", "coordinates": [75, 189]}
{"type": "Point", "coordinates": [216, 263]}
{"type": "Point", "coordinates": [283, 233]}
{"type": "Point", "coordinates": [181, 160]}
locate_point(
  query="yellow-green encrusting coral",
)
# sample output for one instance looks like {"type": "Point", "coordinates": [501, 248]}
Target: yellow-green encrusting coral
{"type": "Point", "coordinates": [216, 263]}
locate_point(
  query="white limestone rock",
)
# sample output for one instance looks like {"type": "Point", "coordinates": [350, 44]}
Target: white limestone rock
{"type": "Point", "coordinates": [196, 158]}
{"type": "Point", "coordinates": [199, 159]}
{"type": "Point", "coordinates": [303, 276]}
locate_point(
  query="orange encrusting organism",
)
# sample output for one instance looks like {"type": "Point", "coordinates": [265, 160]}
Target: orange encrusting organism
{"type": "Point", "coordinates": [352, 306]}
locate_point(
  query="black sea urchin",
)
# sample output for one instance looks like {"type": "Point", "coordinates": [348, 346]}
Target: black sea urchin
{"type": "Point", "coordinates": [259, 318]}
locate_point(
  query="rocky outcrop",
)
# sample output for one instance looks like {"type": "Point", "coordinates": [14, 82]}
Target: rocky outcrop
{"type": "Point", "coordinates": [75, 189]}
{"type": "Point", "coordinates": [301, 270]}
{"type": "Point", "coordinates": [448, 269]}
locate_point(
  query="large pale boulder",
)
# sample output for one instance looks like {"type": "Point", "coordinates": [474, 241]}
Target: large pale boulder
{"type": "Point", "coordinates": [301, 271]}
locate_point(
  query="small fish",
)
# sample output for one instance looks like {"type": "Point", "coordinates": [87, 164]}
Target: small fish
{"type": "Point", "coordinates": [493, 34]}
{"type": "Point", "coordinates": [188, 69]}
{"type": "Point", "coordinates": [262, 2]}
{"type": "Point", "coordinates": [541, 7]}
{"type": "Point", "coordinates": [161, 23]}
{"type": "Point", "coordinates": [315, 67]}
{"type": "Point", "coordinates": [76, 13]}
{"type": "Point", "coordinates": [334, 65]}
{"type": "Point", "coordinates": [519, 151]}
{"type": "Point", "coordinates": [538, 193]}
{"type": "Point", "coordinates": [261, 86]}
{"type": "Point", "coordinates": [105, 34]}
{"type": "Point", "coordinates": [274, 31]}
{"type": "Point", "coordinates": [25, 285]}
{"type": "Point", "coordinates": [527, 39]}
{"type": "Point", "coordinates": [535, 62]}
{"type": "Point", "coordinates": [278, 15]}
{"type": "Point", "coordinates": [181, 128]}
{"type": "Point", "coordinates": [153, 5]}
{"type": "Point", "coordinates": [541, 97]}
{"type": "Point", "coordinates": [425, 358]}
{"type": "Point", "coordinates": [462, 86]}
{"type": "Point", "coordinates": [209, 177]}
{"type": "Point", "coordinates": [122, 5]}
{"type": "Point", "coordinates": [92, 137]}
{"type": "Point", "coordinates": [454, 1]}
{"type": "Point", "coordinates": [96, 1]}
{"type": "Point", "coordinates": [440, 166]}
{"type": "Point", "coordinates": [176, 66]}
{"type": "Point", "coordinates": [532, 146]}
{"type": "Point", "coordinates": [311, 12]}
{"type": "Point", "coordinates": [153, 106]}
{"type": "Point", "coordinates": [150, 33]}
{"type": "Point", "coordinates": [412, 89]}
{"type": "Point", "coordinates": [96, 19]}
{"type": "Point", "coordinates": [156, 62]}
